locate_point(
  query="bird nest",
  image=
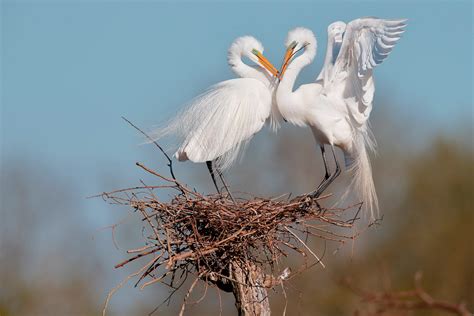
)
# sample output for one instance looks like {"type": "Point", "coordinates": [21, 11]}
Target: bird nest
{"type": "Point", "coordinates": [208, 236]}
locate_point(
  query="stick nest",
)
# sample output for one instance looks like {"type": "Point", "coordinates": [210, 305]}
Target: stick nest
{"type": "Point", "coordinates": [204, 235]}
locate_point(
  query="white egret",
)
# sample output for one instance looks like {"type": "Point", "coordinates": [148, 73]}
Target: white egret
{"type": "Point", "coordinates": [218, 123]}
{"type": "Point", "coordinates": [337, 106]}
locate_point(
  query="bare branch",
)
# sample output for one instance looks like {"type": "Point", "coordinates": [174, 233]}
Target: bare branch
{"type": "Point", "coordinates": [414, 299]}
{"type": "Point", "coordinates": [170, 162]}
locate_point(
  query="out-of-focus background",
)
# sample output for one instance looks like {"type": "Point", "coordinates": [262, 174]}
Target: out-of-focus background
{"type": "Point", "coordinates": [70, 70]}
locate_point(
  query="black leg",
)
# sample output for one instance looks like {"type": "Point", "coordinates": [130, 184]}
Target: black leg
{"type": "Point", "coordinates": [225, 184]}
{"type": "Point", "coordinates": [326, 182]}
{"type": "Point", "coordinates": [209, 167]}
{"type": "Point", "coordinates": [334, 175]}
{"type": "Point", "coordinates": [326, 168]}
{"type": "Point", "coordinates": [338, 167]}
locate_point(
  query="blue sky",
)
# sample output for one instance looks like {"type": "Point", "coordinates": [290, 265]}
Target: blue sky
{"type": "Point", "coordinates": [71, 69]}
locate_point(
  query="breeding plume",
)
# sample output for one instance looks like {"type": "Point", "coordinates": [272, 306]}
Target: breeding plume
{"type": "Point", "coordinates": [218, 123]}
{"type": "Point", "coordinates": [337, 105]}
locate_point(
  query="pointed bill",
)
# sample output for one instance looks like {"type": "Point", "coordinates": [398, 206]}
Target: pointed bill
{"type": "Point", "coordinates": [266, 63]}
{"type": "Point", "coordinates": [287, 58]}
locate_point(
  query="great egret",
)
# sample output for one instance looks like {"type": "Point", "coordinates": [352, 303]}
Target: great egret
{"type": "Point", "coordinates": [218, 123]}
{"type": "Point", "coordinates": [337, 106]}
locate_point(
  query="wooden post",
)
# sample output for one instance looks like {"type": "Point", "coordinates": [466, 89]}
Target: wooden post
{"type": "Point", "coordinates": [251, 297]}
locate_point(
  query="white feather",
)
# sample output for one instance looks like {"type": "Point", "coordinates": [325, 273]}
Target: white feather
{"type": "Point", "coordinates": [219, 122]}
{"type": "Point", "coordinates": [337, 106]}
{"type": "Point", "coordinates": [367, 42]}
{"type": "Point", "coordinates": [217, 125]}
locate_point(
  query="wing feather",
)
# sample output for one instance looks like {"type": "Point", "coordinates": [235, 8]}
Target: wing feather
{"type": "Point", "coordinates": [367, 42]}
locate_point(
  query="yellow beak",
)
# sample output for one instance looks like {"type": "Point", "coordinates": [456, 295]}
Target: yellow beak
{"type": "Point", "coordinates": [266, 63]}
{"type": "Point", "coordinates": [287, 58]}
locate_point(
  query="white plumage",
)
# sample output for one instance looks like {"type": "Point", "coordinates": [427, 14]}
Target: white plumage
{"type": "Point", "coordinates": [337, 106]}
{"type": "Point", "coordinates": [220, 121]}
{"type": "Point", "coordinates": [367, 42]}
{"type": "Point", "coordinates": [217, 124]}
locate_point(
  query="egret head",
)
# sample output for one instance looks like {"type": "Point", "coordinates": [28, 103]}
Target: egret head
{"type": "Point", "coordinates": [336, 31]}
{"type": "Point", "coordinates": [251, 48]}
{"type": "Point", "coordinates": [299, 39]}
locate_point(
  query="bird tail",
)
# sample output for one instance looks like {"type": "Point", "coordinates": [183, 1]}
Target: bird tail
{"type": "Point", "coordinates": [358, 163]}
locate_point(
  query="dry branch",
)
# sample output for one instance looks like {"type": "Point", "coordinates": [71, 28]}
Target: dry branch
{"type": "Point", "coordinates": [407, 300]}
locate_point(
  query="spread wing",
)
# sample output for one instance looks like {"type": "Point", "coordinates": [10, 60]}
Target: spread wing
{"type": "Point", "coordinates": [366, 44]}
{"type": "Point", "coordinates": [219, 122]}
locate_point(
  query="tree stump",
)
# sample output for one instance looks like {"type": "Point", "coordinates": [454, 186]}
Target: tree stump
{"type": "Point", "coordinates": [251, 296]}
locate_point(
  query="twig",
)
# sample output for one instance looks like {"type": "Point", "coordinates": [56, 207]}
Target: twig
{"type": "Point", "coordinates": [120, 285]}
{"type": "Point", "coordinates": [309, 249]}
{"type": "Point", "coordinates": [191, 288]}
{"type": "Point", "coordinates": [170, 162]}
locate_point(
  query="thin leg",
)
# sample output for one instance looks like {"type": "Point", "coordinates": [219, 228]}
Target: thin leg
{"type": "Point", "coordinates": [323, 186]}
{"type": "Point", "coordinates": [211, 171]}
{"type": "Point", "coordinates": [334, 175]}
{"type": "Point", "coordinates": [326, 168]}
{"type": "Point", "coordinates": [225, 184]}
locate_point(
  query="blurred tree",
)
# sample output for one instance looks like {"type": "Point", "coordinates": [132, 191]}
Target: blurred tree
{"type": "Point", "coordinates": [430, 229]}
{"type": "Point", "coordinates": [44, 269]}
